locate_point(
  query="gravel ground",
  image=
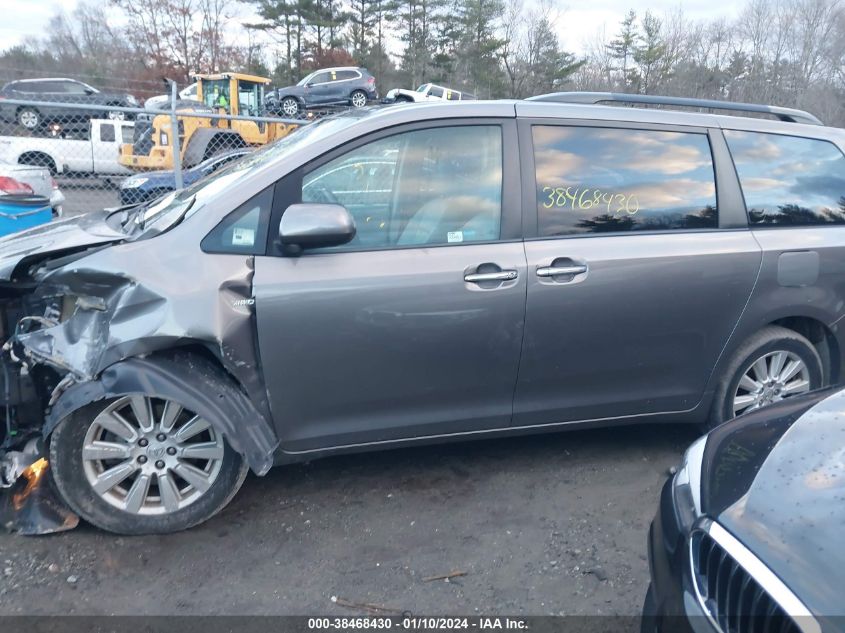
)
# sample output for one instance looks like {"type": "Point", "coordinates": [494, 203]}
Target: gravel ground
{"type": "Point", "coordinates": [552, 524]}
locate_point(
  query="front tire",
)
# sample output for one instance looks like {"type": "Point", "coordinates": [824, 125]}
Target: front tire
{"type": "Point", "coordinates": [29, 118]}
{"type": "Point", "coordinates": [143, 465]}
{"type": "Point", "coordinates": [290, 107]}
{"type": "Point", "coordinates": [774, 364]}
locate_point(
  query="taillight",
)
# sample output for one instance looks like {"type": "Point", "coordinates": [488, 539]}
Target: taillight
{"type": "Point", "coordinates": [371, 80]}
{"type": "Point", "coordinates": [54, 184]}
{"type": "Point", "coordinates": [11, 186]}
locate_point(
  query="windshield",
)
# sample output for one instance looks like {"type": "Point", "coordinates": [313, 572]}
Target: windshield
{"type": "Point", "coordinates": [165, 211]}
{"type": "Point", "coordinates": [423, 88]}
{"type": "Point", "coordinates": [305, 79]}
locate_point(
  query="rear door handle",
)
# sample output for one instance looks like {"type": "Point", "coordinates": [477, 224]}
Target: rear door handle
{"type": "Point", "coordinates": [553, 271]}
{"type": "Point", "coordinates": [502, 275]}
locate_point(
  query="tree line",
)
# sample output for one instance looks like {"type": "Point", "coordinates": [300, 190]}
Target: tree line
{"type": "Point", "coordinates": [785, 52]}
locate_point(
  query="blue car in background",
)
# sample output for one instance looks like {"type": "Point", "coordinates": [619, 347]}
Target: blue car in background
{"type": "Point", "coordinates": [154, 184]}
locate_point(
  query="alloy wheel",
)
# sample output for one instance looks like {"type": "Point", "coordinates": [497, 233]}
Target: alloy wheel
{"type": "Point", "coordinates": [150, 456]}
{"type": "Point", "coordinates": [116, 115]}
{"type": "Point", "coordinates": [28, 119]}
{"type": "Point", "coordinates": [771, 378]}
{"type": "Point", "coordinates": [359, 99]}
{"type": "Point", "coordinates": [290, 107]}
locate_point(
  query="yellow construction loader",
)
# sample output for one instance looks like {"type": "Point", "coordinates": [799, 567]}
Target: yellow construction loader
{"type": "Point", "coordinates": [201, 137]}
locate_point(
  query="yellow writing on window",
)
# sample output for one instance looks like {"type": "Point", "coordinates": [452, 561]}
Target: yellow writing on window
{"type": "Point", "coordinates": [587, 199]}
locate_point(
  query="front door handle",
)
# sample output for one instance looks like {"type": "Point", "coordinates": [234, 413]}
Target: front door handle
{"type": "Point", "coordinates": [553, 271]}
{"type": "Point", "coordinates": [502, 275]}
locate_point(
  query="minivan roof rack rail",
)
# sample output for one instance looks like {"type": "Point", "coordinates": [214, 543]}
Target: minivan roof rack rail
{"type": "Point", "coordinates": [789, 115]}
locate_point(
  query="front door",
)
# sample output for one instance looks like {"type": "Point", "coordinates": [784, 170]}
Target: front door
{"type": "Point", "coordinates": [319, 89]}
{"type": "Point", "coordinates": [415, 327]}
{"type": "Point", "coordinates": [633, 288]}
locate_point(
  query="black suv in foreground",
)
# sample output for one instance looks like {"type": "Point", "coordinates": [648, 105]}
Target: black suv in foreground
{"type": "Point", "coordinates": [345, 85]}
{"type": "Point", "coordinates": [748, 536]}
{"type": "Point", "coordinates": [60, 91]}
{"type": "Point", "coordinates": [401, 275]}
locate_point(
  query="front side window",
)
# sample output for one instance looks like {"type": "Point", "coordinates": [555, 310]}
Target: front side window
{"type": "Point", "coordinates": [436, 92]}
{"type": "Point", "coordinates": [788, 180]}
{"type": "Point", "coordinates": [605, 180]}
{"type": "Point", "coordinates": [427, 187]}
{"type": "Point", "coordinates": [72, 87]}
{"type": "Point", "coordinates": [244, 230]}
{"type": "Point", "coordinates": [107, 133]}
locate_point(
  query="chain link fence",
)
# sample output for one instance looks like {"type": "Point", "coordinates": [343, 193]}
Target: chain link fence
{"type": "Point", "coordinates": [92, 150]}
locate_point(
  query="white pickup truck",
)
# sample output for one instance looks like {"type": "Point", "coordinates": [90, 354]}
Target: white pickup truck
{"type": "Point", "coordinates": [93, 153]}
{"type": "Point", "coordinates": [426, 92]}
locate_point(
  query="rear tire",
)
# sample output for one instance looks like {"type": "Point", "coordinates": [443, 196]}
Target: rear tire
{"type": "Point", "coordinates": [358, 99]}
{"type": "Point", "coordinates": [139, 465]}
{"type": "Point", "coordinates": [758, 373]}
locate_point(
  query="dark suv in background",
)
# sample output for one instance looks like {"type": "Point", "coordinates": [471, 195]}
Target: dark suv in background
{"type": "Point", "coordinates": [345, 85]}
{"type": "Point", "coordinates": [59, 90]}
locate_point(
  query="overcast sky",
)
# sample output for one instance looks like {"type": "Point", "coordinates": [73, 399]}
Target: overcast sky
{"type": "Point", "coordinates": [580, 21]}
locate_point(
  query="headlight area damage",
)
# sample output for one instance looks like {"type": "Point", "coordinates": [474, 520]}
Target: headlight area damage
{"type": "Point", "coordinates": [74, 334]}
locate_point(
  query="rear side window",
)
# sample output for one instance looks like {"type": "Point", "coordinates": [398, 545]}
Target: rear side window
{"type": "Point", "coordinates": [27, 86]}
{"type": "Point", "coordinates": [126, 133]}
{"type": "Point", "coordinates": [604, 180]}
{"type": "Point", "coordinates": [346, 74]}
{"type": "Point", "coordinates": [788, 180]}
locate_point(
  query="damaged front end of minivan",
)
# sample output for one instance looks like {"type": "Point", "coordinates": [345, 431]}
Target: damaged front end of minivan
{"type": "Point", "coordinates": [79, 324]}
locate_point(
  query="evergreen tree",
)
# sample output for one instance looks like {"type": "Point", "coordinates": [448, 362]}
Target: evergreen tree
{"type": "Point", "coordinates": [622, 48]}
{"type": "Point", "coordinates": [649, 54]}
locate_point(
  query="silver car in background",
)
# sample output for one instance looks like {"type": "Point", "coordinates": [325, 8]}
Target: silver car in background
{"type": "Point", "coordinates": [41, 182]}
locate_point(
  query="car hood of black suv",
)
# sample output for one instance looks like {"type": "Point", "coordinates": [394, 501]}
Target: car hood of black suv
{"type": "Point", "coordinates": [777, 483]}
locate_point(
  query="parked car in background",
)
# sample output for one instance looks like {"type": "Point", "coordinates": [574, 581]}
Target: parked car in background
{"type": "Point", "coordinates": [58, 90]}
{"type": "Point", "coordinates": [94, 151]}
{"type": "Point", "coordinates": [39, 181]}
{"type": "Point", "coordinates": [154, 184]}
{"type": "Point", "coordinates": [748, 535]}
{"type": "Point", "coordinates": [426, 92]}
{"type": "Point", "coordinates": [397, 276]}
{"type": "Point", "coordinates": [163, 101]}
{"type": "Point", "coordinates": [20, 207]}
{"type": "Point", "coordinates": [344, 85]}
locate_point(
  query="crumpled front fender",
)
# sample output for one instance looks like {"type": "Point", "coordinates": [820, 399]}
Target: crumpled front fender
{"type": "Point", "coordinates": [207, 392]}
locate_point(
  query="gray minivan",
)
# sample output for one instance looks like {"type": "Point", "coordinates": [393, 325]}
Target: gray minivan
{"type": "Point", "coordinates": [439, 271]}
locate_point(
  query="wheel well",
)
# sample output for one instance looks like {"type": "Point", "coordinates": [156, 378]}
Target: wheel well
{"type": "Point", "coordinates": [223, 141]}
{"type": "Point", "coordinates": [38, 159]}
{"type": "Point", "coordinates": [197, 349]}
{"type": "Point", "coordinates": [822, 339]}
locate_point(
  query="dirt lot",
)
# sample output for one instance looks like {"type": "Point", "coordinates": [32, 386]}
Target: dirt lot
{"type": "Point", "coordinates": [551, 524]}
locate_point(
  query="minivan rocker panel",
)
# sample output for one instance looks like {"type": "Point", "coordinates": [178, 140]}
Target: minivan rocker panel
{"type": "Point", "coordinates": [161, 350]}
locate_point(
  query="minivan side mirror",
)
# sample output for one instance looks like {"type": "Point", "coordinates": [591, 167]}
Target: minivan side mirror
{"type": "Point", "coordinates": [313, 225]}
